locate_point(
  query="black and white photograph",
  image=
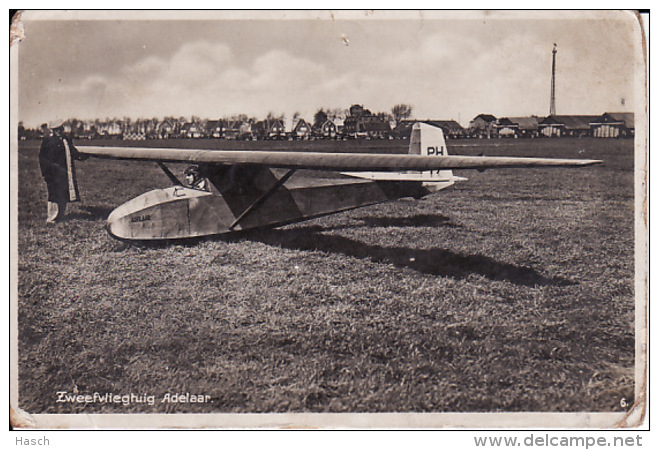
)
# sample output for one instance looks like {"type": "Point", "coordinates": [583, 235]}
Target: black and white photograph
{"type": "Point", "coordinates": [354, 219]}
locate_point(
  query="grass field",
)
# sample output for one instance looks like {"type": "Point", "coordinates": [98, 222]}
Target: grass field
{"type": "Point", "coordinates": [510, 292]}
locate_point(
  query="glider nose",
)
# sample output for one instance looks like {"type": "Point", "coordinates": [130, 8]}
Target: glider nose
{"type": "Point", "coordinates": [114, 226]}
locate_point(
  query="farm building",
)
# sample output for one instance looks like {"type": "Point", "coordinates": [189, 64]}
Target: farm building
{"type": "Point", "coordinates": [301, 130]}
{"type": "Point", "coordinates": [563, 126]}
{"type": "Point", "coordinates": [483, 125]}
{"type": "Point", "coordinates": [613, 125]}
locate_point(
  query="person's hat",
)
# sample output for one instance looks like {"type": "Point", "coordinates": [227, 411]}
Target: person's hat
{"type": "Point", "coordinates": [192, 170]}
{"type": "Point", "coordinates": [54, 124]}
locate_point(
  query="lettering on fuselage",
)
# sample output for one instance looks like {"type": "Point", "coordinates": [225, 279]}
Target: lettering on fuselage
{"type": "Point", "coordinates": [143, 218]}
{"type": "Point", "coordinates": [435, 151]}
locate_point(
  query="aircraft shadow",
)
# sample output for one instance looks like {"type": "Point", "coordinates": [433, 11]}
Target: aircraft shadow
{"type": "Point", "coordinates": [435, 261]}
{"type": "Point", "coordinates": [417, 220]}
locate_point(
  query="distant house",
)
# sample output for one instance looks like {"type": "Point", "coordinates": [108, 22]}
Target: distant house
{"type": "Point", "coordinates": [74, 127]}
{"type": "Point", "coordinates": [276, 129]}
{"type": "Point", "coordinates": [232, 130]}
{"type": "Point", "coordinates": [451, 128]}
{"type": "Point", "coordinates": [166, 129]}
{"type": "Point", "coordinates": [328, 129]}
{"type": "Point", "coordinates": [112, 129]}
{"type": "Point", "coordinates": [302, 130]}
{"type": "Point", "coordinates": [483, 125]}
{"type": "Point", "coordinates": [613, 125]}
{"type": "Point", "coordinates": [362, 123]}
{"type": "Point", "coordinates": [216, 128]}
{"type": "Point", "coordinates": [374, 127]}
{"type": "Point", "coordinates": [563, 126]}
{"type": "Point", "coordinates": [244, 130]}
{"type": "Point", "coordinates": [192, 130]}
{"type": "Point", "coordinates": [89, 130]}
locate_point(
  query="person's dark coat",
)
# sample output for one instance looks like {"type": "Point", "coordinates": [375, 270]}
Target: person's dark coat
{"type": "Point", "coordinates": [58, 169]}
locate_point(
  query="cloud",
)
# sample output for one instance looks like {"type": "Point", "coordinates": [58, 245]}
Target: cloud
{"type": "Point", "coordinates": [445, 70]}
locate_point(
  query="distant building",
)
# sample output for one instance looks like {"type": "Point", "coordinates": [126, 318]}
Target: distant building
{"type": "Point", "coordinates": [328, 129]}
{"type": "Point", "coordinates": [276, 129]}
{"type": "Point", "coordinates": [232, 130]}
{"type": "Point", "coordinates": [245, 130]}
{"type": "Point", "coordinates": [301, 130]}
{"type": "Point", "coordinates": [518, 127]}
{"type": "Point", "coordinates": [507, 128]}
{"type": "Point", "coordinates": [216, 128]}
{"type": "Point", "coordinates": [267, 129]}
{"type": "Point", "coordinates": [363, 123]}
{"type": "Point", "coordinates": [613, 125]}
{"type": "Point", "coordinates": [166, 129]}
{"type": "Point", "coordinates": [112, 129]}
{"type": "Point", "coordinates": [566, 126]}
{"type": "Point", "coordinates": [451, 128]}
{"type": "Point", "coordinates": [526, 126]}
{"type": "Point", "coordinates": [483, 125]}
{"type": "Point", "coordinates": [192, 130]}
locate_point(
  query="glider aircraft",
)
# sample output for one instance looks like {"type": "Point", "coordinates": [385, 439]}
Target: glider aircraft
{"type": "Point", "coordinates": [248, 194]}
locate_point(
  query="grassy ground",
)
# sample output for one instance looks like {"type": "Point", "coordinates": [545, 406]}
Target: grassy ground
{"type": "Point", "coordinates": [510, 292]}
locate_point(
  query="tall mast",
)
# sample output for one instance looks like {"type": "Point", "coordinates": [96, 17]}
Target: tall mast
{"type": "Point", "coordinates": [552, 102]}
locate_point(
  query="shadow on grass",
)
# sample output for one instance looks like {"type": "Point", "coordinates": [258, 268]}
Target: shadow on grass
{"type": "Point", "coordinates": [434, 261]}
{"type": "Point", "coordinates": [417, 220]}
{"type": "Point", "coordinates": [91, 213]}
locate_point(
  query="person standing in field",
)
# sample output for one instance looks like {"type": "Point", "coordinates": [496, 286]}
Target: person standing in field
{"type": "Point", "coordinates": [56, 158]}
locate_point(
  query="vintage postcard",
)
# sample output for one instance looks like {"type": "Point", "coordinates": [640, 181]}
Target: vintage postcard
{"type": "Point", "coordinates": [332, 219]}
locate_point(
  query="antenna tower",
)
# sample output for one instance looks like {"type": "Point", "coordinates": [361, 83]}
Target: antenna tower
{"type": "Point", "coordinates": [552, 102]}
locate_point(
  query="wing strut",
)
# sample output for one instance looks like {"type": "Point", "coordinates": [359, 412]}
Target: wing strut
{"type": "Point", "coordinates": [169, 174]}
{"type": "Point", "coordinates": [262, 198]}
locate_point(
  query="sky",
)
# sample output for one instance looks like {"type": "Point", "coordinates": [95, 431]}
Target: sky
{"type": "Point", "coordinates": [445, 66]}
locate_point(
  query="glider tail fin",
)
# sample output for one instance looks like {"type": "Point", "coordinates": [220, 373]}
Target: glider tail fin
{"type": "Point", "coordinates": [427, 140]}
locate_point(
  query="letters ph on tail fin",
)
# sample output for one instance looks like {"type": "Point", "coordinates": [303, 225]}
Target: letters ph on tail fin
{"type": "Point", "coordinates": [427, 140]}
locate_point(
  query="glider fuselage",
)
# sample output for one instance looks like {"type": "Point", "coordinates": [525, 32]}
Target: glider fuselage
{"type": "Point", "coordinates": [179, 212]}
